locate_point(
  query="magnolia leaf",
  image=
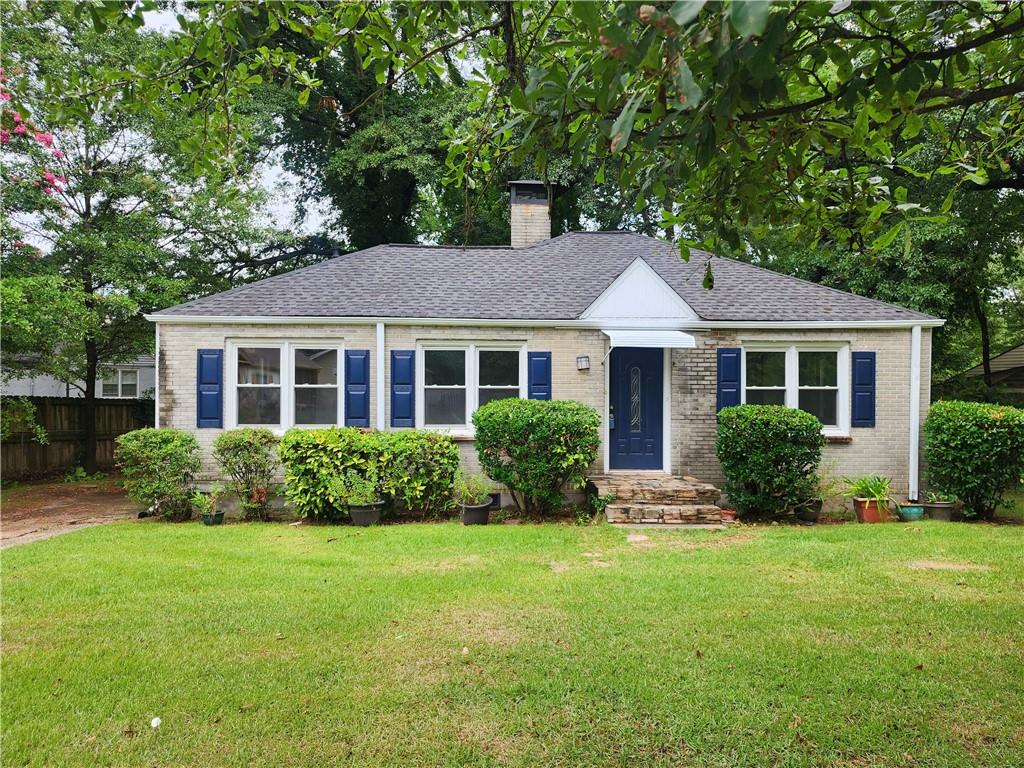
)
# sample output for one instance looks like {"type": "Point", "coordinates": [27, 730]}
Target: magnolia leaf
{"type": "Point", "coordinates": [911, 126]}
{"type": "Point", "coordinates": [947, 204]}
{"type": "Point", "coordinates": [689, 92]}
{"type": "Point", "coordinates": [623, 125]}
{"type": "Point", "coordinates": [749, 16]}
{"type": "Point", "coordinates": [886, 239]}
{"type": "Point", "coordinates": [304, 97]}
{"type": "Point", "coordinates": [682, 11]}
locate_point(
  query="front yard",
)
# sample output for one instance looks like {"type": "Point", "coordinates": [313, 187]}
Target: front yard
{"type": "Point", "coordinates": [264, 644]}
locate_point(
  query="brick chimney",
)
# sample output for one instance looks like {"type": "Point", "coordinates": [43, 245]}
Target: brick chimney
{"type": "Point", "coordinates": [531, 212]}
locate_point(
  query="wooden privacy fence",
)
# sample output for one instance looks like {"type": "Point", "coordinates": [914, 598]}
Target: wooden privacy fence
{"type": "Point", "coordinates": [61, 417]}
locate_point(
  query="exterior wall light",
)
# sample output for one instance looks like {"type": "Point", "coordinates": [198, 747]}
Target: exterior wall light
{"type": "Point", "coordinates": [582, 362]}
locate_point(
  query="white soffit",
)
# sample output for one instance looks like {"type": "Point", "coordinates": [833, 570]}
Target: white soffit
{"type": "Point", "coordinates": [639, 294]}
{"type": "Point", "coordinates": [655, 339]}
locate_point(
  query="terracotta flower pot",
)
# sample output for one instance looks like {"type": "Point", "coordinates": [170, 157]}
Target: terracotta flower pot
{"type": "Point", "coordinates": [868, 511]}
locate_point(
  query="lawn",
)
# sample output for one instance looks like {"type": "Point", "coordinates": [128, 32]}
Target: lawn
{"type": "Point", "coordinates": [889, 645]}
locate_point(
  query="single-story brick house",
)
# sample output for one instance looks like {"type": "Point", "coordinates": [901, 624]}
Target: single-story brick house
{"type": "Point", "coordinates": [400, 336]}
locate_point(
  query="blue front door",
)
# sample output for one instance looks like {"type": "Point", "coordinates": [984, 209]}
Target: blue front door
{"type": "Point", "coordinates": [635, 420]}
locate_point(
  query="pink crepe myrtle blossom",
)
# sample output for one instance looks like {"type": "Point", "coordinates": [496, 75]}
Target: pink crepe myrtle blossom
{"type": "Point", "coordinates": [5, 136]}
{"type": "Point", "coordinates": [19, 243]}
{"type": "Point", "coordinates": [17, 117]}
{"type": "Point", "coordinates": [20, 130]}
{"type": "Point", "coordinates": [50, 178]}
{"type": "Point", "coordinates": [58, 154]}
{"type": "Point", "coordinates": [62, 180]}
{"type": "Point", "coordinates": [44, 139]}
{"type": "Point", "coordinates": [5, 96]}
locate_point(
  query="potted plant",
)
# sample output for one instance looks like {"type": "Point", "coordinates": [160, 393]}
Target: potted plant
{"type": "Point", "coordinates": [358, 493]}
{"type": "Point", "coordinates": [728, 515]}
{"type": "Point", "coordinates": [825, 487]}
{"type": "Point", "coordinates": [473, 494]}
{"type": "Point", "coordinates": [910, 511]}
{"type": "Point", "coordinates": [942, 506]}
{"type": "Point", "coordinates": [871, 497]}
{"type": "Point", "coordinates": [205, 505]}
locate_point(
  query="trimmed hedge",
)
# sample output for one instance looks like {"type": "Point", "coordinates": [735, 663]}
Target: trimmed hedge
{"type": "Point", "coordinates": [770, 456]}
{"type": "Point", "coordinates": [415, 468]}
{"type": "Point", "coordinates": [535, 447]}
{"type": "Point", "coordinates": [247, 455]}
{"type": "Point", "coordinates": [160, 467]}
{"type": "Point", "coordinates": [974, 451]}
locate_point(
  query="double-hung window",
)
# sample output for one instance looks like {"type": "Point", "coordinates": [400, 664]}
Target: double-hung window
{"type": "Point", "coordinates": [285, 384]}
{"type": "Point", "coordinates": [814, 378]}
{"type": "Point", "coordinates": [456, 380]}
{"type": "Point", "coordinates": [120, 382]}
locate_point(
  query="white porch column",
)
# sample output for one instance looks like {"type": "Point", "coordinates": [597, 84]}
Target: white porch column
{"type": "Point", "coordinates": [915, 412]}
{"type": "Point", "coordinates": [379, 357]}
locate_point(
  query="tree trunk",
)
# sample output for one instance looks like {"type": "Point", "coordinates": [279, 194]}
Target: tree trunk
{"type": "Point", "coordinates": [89, 409]}
{"type": "Point", "coordinates": [986, 339]}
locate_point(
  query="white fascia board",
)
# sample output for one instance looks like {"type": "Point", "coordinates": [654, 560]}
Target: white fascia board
{"type": "Point", "coordinates": [684, 325]}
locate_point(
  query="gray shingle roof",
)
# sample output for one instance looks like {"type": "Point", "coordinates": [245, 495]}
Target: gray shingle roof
{"type": "Point", "coordinates": [556, 279]}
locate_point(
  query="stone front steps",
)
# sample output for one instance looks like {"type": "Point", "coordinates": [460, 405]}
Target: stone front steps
{"type": "Point", "coordinates": [657, 498]}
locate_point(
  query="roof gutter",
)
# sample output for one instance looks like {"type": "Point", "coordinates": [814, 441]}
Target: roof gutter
{"type": "Point", "coordinates": [686, 325]}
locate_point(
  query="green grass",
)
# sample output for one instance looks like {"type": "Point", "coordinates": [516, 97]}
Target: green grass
{"type": "Point", "coordinates": [514, 645]}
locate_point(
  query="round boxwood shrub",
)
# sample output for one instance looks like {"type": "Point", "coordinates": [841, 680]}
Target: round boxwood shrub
{"type": "Point", "coordinates": [249, 457]}
{"type": "Point", "coordinates": [536, 447]}
{"type": "Point", "coordinates": [160, 467]}
{"type": "Point", "coordinates": [770, 455]}
{"type": "Point", "coordinates": [415, 468]}
{"type": "Point", "coordinates": [974, 451]}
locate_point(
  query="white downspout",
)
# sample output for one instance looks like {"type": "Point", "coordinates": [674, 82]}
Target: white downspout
{"type": "Point", "coordinates": [915, 411]}
{"type": "Point", "coordinates": [156, 372]}
{"type": "Point", "coordinates": [380, 375]}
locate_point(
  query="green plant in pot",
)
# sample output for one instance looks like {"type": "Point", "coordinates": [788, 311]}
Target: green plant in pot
{"type": "Point", "coordinates": [942, 506]}
{"type": "Point", "coordinates": [358, 493]}
{"type": "Point", "coordinates": [825, 488]}
{"type": "Point", "coordinates": [205, 505]}
{"type": "Point", "coordinates": [871, 496]}
{"type": "Point", "coordinates": [473, 495]}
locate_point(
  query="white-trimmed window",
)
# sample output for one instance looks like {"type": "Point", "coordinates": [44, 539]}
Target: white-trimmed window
{"type": "Point", "coordinates": [120, 382]}
{"type": "Point", "coordinates": [284, 384]}
{"type": "Point", "coordinates": [316, 395]}
{"type": "Point", "coordinates": [456, 379]}
{"type": "Point", "coordinates": [814, 377]}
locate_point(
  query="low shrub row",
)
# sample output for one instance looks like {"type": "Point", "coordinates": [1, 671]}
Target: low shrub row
{"type": "Point", "coordinates": [413, 468]}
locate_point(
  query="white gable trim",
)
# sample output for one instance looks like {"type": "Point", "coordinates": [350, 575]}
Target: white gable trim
{"type": "Point", "coordinates": [637, 295]}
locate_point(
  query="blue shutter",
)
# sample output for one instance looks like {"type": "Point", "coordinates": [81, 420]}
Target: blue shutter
{"type": "Point", "coordinates": [730, 362]}
{"type": "Point", "coordinates": [538, 379]}
{"type": "Point", "coordinates": [863, 399]}
{"type": "Point", "coordinates": [210, 388]}
{"type": "Point", "coordinates": [403, 388]}
{"type": "Point", "coordinates": [357, 387]}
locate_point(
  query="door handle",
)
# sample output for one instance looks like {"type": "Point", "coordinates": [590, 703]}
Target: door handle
{"type": "Point", "coordinates": [611, 421]}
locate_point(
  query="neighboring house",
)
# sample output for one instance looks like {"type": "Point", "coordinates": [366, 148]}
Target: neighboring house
{"type": "Point", "coordinates": [1007, 371]}
{"type": "Point", "coordinates": [127, 381]}
{"type": "Point", "coordinates": [400, 336]}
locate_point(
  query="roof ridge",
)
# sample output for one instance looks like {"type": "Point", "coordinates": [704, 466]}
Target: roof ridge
{"type": "Point", "coordinates": [922, 315]}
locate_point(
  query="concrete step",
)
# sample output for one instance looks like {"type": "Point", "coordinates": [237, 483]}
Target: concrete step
{"type": "Point", "coordinates": [669, 514]}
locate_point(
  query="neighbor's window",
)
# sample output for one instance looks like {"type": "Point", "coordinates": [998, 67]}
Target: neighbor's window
{"type": "Point", "coordinates": [258, 389]}
{"type": "Point", "coordinates": [315, 384]}
{"type": "Point", "coordinates": [813, 379]}
{"type": "Point", "coordinates": [120, 382]}
{"type": "Point", "coordinates": [444, 387]}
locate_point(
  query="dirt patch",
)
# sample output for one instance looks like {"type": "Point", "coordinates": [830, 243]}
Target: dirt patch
{"type": "Point", "coordinates": [557, 567]}
{"type": "Point", "coordinates": [41, 510]}
{"type": "Point", "coordinates": [640, 541]}
{"type": "Point", "coordinates": [945, 565]}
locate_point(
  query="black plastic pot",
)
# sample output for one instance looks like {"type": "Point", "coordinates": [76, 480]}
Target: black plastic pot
{"type": "Point", "coordinates": [948, 511]}
{"type": "Point", "coordinates": [366, 515]}
{"type": "Point", "coordinates": [810, 512]}
{"type": "Point", "coordinates": [215, 519]}
{"type": "Point", "coordinates": [476, 514]}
